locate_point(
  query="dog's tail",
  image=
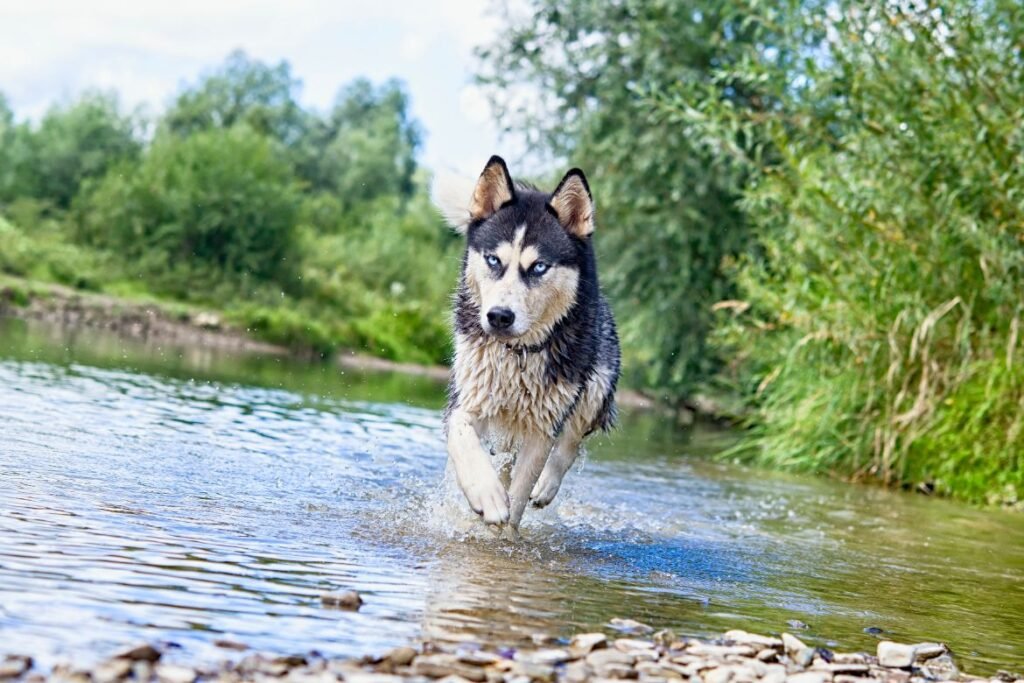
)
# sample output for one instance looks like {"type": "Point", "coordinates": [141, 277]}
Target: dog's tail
{"type": "Point", "coordinates": [452, 195]}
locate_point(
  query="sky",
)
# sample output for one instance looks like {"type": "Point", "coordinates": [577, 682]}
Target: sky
{"type": "Point", "coordinates": [50, 50]}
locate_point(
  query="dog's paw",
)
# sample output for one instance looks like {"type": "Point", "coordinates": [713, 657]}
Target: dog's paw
{"type": "Point", "coordinates": [488, 499]}
{"type": "Point", "coordinates": [546, 488]}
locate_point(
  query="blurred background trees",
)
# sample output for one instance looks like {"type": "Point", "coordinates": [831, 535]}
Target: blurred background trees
{"type": "Point", "coordinates": [575, 78]}
{"type": "Point", "coordinates": [307, 228]}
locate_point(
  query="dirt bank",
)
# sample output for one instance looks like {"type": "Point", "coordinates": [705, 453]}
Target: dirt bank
{"type": "Point", "coordinates": [187, 326]}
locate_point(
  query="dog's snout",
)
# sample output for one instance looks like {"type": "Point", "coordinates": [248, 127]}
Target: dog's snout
{"type": "Point", "coordinates": [501, 318]}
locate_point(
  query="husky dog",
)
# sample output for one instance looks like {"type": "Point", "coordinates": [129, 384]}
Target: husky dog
{"type": "Point", "coordinates": [536, 352]}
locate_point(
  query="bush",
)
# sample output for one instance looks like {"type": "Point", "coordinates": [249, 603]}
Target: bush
{"type": "Point", "coordinates": [667, 220]}
{"type": "Point", "coordinates": [41, 251]}
{"type": "Point", "coordinates": [882, 336]}
{"type": "Point", "coordinates": [73, 143]}
{"type": "Point", "coordinates": [217, 208]}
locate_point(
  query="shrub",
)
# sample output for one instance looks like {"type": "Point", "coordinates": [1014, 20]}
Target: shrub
{"type": "Point", "coordinates": [72, 144]}
{"type": "Point", "coordinates": [881, 315]}
{"type": "Point", "coordinates": [219, 207]}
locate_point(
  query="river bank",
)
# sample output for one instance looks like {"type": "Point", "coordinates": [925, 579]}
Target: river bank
{"type": "Point", "coordinates": [635, 651]}
{"type": "Point", "coordinates": [180, 324]}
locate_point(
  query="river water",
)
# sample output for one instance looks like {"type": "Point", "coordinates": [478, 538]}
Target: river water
{"type": "Point", "coordinates": [186, 495]}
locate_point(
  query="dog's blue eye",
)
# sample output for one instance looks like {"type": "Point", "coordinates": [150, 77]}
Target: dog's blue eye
{"type": "Point", "coordinates": [539, 268]}
{"type": "Point", "coordinates": [492, 260]}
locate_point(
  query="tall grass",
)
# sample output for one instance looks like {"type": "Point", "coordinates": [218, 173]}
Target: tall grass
{"type": "Point", "coordinates": [879, 332]}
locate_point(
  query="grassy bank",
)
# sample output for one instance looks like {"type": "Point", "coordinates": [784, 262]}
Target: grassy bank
{"type": "Point", "coordinates": [390, 325]}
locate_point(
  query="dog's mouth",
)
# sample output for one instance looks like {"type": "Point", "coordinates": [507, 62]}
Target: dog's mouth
{"type": "Point", "coordinates": [503, 334]}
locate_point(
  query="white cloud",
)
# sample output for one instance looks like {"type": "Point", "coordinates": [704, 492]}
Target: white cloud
{"type": "Point", "coordinates": [50, 50]}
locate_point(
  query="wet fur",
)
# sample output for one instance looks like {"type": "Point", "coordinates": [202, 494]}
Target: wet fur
{"type": "Point", "coordinates": [543, 391]}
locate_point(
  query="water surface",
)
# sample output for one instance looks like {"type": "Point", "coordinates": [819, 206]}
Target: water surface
{"type": "Point", "coordinates": [187, 495]}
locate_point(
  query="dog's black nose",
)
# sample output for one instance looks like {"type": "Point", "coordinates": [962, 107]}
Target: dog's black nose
{"type": "Point", "coordinates": [501, 318]}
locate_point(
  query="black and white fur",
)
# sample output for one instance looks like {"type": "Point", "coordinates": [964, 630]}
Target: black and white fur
{"type": "Point", "coordinates": [536, 351]}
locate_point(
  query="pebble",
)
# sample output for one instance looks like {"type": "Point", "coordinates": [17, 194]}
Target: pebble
{"type": "Point", "coordinates": [348, 600]}
{"type": "Point", "coordinates": [13, 666]}
{"type": "Point", "coordinates": [630, 626]}
{"type": "Point", "coordinates": [654, 670]}
{"type": "Point", "coordinates": [476, 657]}
{"type": "Point", "coordinates": [791, 644]}
{"type": "Point", "coordinates": [632, 645]}
{"type": "Point", "coordinates": [803, 657]}
{"type": "Point", "coordinates": [722, 674]}
{"type": "Point", "coordinates": [534, 671]}
{"type": "Point", "coordinates": [615, 670]}
{"type": "Point", "coordinates": [600, 658]}
{"type": "Point", "coordinates": [575, 672]}
{"type": "Point", "coordinates": [941, 668]}
{"type": "Point", "coordinates": [774, 673]}
{"type": "Point", "coordinates": [401, 656]}
{"type": "Point", "coordinates": [809, 677]}
{"type": "Point", "coordinates": [112, 670]}
{"type": "Point", "coordinates": [923, 651]}
{"type": "Point", "coordinates": [744, 638]}
{"type": "Point", "coordinates": [736, 657]}
{"type": "Point", "coordinates": [140, 653]}
{"type": "Point", "coordinates": [439, 666]}
{"type": "Point", "coordinates": [581, 645]}
{"type": "Point", "coordinates": [548, 657]}
{"type": "Point", "coordinates": [720, 652]}
{"type": "Point", "coordinates": [895, 655]}
{"type": "Point", "coordinates": [173, 673]}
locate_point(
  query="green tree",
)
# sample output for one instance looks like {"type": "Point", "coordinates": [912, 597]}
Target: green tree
{"type": "Point", "coordinates": [363, 149]}
{"type": "Point", "coordinates": [72, 143]}
{"type": "Point", "coordinates": [880, 327]}
{"type": "Point", "coordinates": [242, 90]}
{"type": "Point", "coordinates": [8, 155]}
{"type": "Point", "coordinates": [220, 206]}
{"type": "Point", "coordinates": [668, 223]}
{"type": "Point", "coordinates": [371, 142]}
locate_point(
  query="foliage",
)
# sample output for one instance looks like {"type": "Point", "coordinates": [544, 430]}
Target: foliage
{"type": "Point", "coordinates": [370, 143]}
{"type": "Point", "coordinates": [666, 205]}
{"type": "Point", "coordinates": [363, 149]}
{"type": "Point", "coordinates": [220, 205]}
{"type": "Point", "coordinates": [310, 230]}
{"type": "Point", "coordinates": [44, 253]}
{"type": "Point", "coordinates": [72, 143]}
{"type": "Point", "coordinates": [882, 335]}
{"type": "Point", "coordinates": [243, 91]}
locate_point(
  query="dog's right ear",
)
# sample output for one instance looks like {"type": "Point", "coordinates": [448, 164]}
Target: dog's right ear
{"type": "Point", "coordinates": [493, 190]}
{"type": "Point", "coordinates": [462, 201]}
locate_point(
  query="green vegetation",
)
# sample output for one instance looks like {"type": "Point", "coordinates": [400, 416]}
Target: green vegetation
{"type": "Point", "coordinates": [310, 230]}
{"type": "Point", "coordinates": [666, 206]}
{"type": "Point", "coordinates": [868, 277]}
{"type": "Point", "coordinates": [886, 295]}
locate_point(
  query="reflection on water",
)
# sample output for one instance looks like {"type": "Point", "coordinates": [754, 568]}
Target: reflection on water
{"type": "Point", "coordinates": [184, 496]}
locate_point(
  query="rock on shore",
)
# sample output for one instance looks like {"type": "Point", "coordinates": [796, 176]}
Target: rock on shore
{"type": "Point", "coordinates": [661, 657]}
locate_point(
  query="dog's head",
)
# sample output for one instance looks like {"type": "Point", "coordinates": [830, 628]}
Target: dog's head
{"type": "Point", "coordinates": [526, 250]}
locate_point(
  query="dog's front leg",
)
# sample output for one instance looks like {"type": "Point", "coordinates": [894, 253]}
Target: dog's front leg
{"type": "Point", "coordinates": [477, 478]}
{"type": "Point", "coordinates": [529, 464]}
{"type": "Point", "coordinates": [562, 457]}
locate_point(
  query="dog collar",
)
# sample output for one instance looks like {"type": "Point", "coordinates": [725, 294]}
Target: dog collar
{"type": "Point", "coordinates": [521, 351]}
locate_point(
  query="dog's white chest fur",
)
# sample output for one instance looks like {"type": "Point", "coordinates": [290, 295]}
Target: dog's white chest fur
{"type": "Point", "coordinates": [508, 389]}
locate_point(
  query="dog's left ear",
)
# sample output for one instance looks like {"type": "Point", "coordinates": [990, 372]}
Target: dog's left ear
{"type": "Point", "coordinates": [573, 205]}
